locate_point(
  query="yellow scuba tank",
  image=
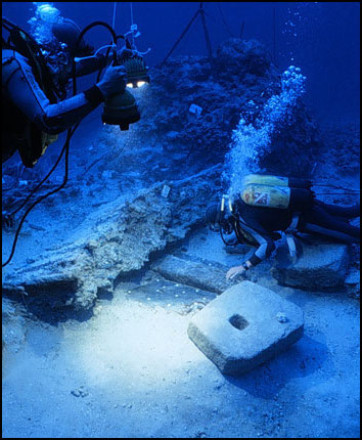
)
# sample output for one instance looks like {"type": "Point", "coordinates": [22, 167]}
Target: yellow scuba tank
{"type": "Point", "coordinates": [291, 182]}
{"type": "Point", "coordinates": [276, 192]}
{"type": "Point", "coordinates": [266, 196]}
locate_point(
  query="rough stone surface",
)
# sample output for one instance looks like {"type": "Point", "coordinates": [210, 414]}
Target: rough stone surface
{"type": "Point", "coordinates": [261, 333]}
{"type": "Point", "coordinates": [353, 283]}
{"type": "Point", "coordinates": [168, 141]}
{"type": "Point", "coordinates": [13, 326]}
{"type": "Point", "coordinates": [240, 82]}
{"type": "Point", "coordinates": [194, 272]}
{"type": "Point", "coordinates": [122, 240]}
{"type": "Point", "coordinates": [170, 295]}
{"type": "Point", "coordinates": [321, 266]}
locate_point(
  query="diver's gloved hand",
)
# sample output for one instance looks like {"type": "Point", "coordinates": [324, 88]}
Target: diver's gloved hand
{"type": "Point", "coordinates": [114, 81]}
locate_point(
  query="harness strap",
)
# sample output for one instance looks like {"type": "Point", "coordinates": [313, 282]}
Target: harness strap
{"type": "Point", "coordinates": [293, 227]}
{"type": "Point", "coordinates": [291, 245]}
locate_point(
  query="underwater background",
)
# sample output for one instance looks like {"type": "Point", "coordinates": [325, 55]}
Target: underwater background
{"type": "Point", "coordinates": [321, 37]}
{"type": "Point", "coordinates": [108, 272]}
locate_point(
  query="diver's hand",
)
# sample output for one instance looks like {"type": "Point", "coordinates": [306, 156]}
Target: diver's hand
{"type": "Point", "coordinates": [114, 81]}
{"type": "Point", "coordinates": [234, 272]}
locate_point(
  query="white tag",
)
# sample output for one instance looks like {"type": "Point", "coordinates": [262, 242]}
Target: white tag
{"type": "Point", "coordinates": [196, 110]}
{"type": "Point", "coordinates": [165, 191]}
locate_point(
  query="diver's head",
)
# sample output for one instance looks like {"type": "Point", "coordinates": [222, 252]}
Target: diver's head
{"type": "Point", "coordinates": [217, 220]}
{"type": "Point", "coordinates": [65, 46]}
{"type": "Point", "coordinates": [58, 38]}
{"type": "Point", "coordinates": [220, 221]}
{"type": "Point", "coordinates": [67, 33]}
{"type": "Point", "coordinates": [213, 217]}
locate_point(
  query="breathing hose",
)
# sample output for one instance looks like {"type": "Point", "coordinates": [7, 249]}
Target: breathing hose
{"type": "Point", "coordinates": [40, 199]}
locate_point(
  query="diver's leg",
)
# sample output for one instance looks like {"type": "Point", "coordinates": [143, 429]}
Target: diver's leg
{"type": "Point", "coordinates": [321, 222]}
{"type": "Point", "coordinates": [347, 212]}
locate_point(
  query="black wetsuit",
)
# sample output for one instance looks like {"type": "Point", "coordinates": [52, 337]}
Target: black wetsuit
{"type": "Point", "coordinates": [27, 111]}
{"type": "Point", "coordinates": [259, 226]}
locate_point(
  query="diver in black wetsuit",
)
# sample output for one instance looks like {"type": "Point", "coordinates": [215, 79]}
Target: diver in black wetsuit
{"type": "Point", "coordinates": [35, 81]}
{"type": "Point", "coordinates": [260, 226]}
{"type": "Point", "coordinates": [35, 107]}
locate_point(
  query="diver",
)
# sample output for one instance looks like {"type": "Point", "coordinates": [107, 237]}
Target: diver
{"type": "Point", "coordinates": [268, 207]}
{"type": "Point", "coordinates": [34, 88]}
{"type": "Point", "coordinates": [37, 70]}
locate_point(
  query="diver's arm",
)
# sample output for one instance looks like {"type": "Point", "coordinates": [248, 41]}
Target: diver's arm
{"type": "Point", "coordinates": [97, 61]}
{"type": "Point", "coordinates": [20, 86]}
{"type": "Point", "coordinates": [85, 66]}
{"type": "Point", "coordinates": [266, 245]}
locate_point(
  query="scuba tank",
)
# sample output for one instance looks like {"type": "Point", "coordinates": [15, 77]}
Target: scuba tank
{"type": "Point", "coordinates": [290, 182]}
{"type": "Point", "coordinates": [276, 192]}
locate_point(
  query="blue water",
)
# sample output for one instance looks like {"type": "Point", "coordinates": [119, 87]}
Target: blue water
{"type": "Point", "coordinates": [320, 37]}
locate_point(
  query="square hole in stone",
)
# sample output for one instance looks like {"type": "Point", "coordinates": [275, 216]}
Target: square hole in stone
{"type": "Point", "coordinates": [238, 322]}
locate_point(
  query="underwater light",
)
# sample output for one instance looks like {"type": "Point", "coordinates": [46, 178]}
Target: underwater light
{"type": "Point", "coordinates": [122, 109]}
{"type": "Point", "coordinates": [137, 71]}
{"type": "Point", "coordinates": [137, 85]}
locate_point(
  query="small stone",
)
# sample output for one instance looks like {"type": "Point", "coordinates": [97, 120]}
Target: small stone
{"type": "Point", "coordinates": [92, 244]}
{"type": "Point", "coordinates": [75, 393]}
{"type": "Point", "coordinates": [282, 318]}
{"type": "Point", "coordinates": [165, 191]}
{"type": "Point", "coordinates": [80, 392]}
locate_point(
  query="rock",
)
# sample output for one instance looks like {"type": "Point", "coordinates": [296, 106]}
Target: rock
{"type": "Point", "coordinates": [353, 283]}
{"type": "Point", "coordinates": [193, 272]}
{"type": "Point", "coordinates": [240, 329]}
{"type": "Point", "coordinates": [122, 239]}
{"type": "Point", "coordinates": [80, 392]}
{"type": "Point", "coordinates": [14, 328]}
{"type": "Point", "coordinates": [183, 299]}
{"type": "Point", "coordinates": [239, 249]}
{"type": "Point", "coordinates": [321, 267]}
{"type": "Point", "coordinates": [237, 58]}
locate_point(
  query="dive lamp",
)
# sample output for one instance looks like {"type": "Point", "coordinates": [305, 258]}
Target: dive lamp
{"type": "Point", "coordinates": [122, 109]}
{"type": "Point", "coordinates": [137, 72]}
